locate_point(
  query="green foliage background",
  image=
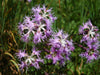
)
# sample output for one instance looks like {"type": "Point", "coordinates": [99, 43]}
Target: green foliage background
{"type": "Point", "coordinates": [70, 14]}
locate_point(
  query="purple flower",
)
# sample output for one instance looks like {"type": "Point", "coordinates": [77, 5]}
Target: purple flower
{"type": "Point", "coordinates": [90, 55]}
{"type": "Point", "coordinates": [22, 65]}
{"type": "Point", "coordinates": [88, 31]}
{"type": "Point", "coordinates": [61, 47]}
{"type": "Point", "coordinates": [91, 39]}
{"type": "Point", "coordinates": [36, 65]}
{"type": "Point", "coordinates": [29, 60]}
{"type": "Point", "coordinates": [93, 44]}
{"type": "Point", "coordinates": [34, 52]}
{"type": "Point", "coordinates": [43, 13]}
{"type": "Point", "coordinates": [37, 25]}
{"type": "Point", "coordinates": [55, 59]}
{"type": "Point", "coordinates": [21, 54]}
{"type": "Point", "coordinates": [26, 28]}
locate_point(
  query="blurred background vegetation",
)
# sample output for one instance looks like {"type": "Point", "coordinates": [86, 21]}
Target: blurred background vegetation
{"type": "Point", "coordinates": [70, 14]}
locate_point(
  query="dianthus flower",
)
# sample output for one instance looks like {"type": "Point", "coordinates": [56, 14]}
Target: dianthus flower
{"type": "Point", "coordinates": [29, 60]}
{"type": "Point", "coordinates": [88, 31]}
{"type": "Point", "coordinates": [39, 24]}
{"type": "Point", "coordinates": [61, 47]}
{"type": "Point", "coordinates": [43, 13]}
{"type": "Point", "coordinates": [91, 39]}
{"type": "Point", "coordinates": [26, 28]}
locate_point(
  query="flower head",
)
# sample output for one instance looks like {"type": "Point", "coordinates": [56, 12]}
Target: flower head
{"type": "Point", "coordinates": [90, 55]}
{"type": "Point", "coordinates": [88, 31]}
{"type": "Point", "coordinates": [29, 60]}
{"type": "Point", "coordinates": [91, 39]}
{"type": "Point", "coordinates": [61, 47]}
{"type": "Point", "coordinates": [37, 25]}
{"type": "Point", "coordinates": [43, 13]}
{"type": "Point", "coordinates": [21, 54]}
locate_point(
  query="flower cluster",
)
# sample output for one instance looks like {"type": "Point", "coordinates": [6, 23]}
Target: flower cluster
{"type": "Point", "coordinates": [29, 60]}
{"type": "Point", "coordinates": [38, 27]}
{"type": "Point", "coordinates": [91, 39]}
{"type": "Point", "coordinates": [39, 24]}
{"type": "Point", "coordinates": [61, 47]}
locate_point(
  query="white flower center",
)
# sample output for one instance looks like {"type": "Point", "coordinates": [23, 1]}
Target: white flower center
{"type": "Point", "coordinates": [91, 33]}
{"type": "Point", "coordinates": [29, 60]}
{"type": "Point", "coordinates": [41, 26]}
{"type": "Point", "coordinates": [44, 14]}
{"type": "Point", "coordinates": [63, 42]}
